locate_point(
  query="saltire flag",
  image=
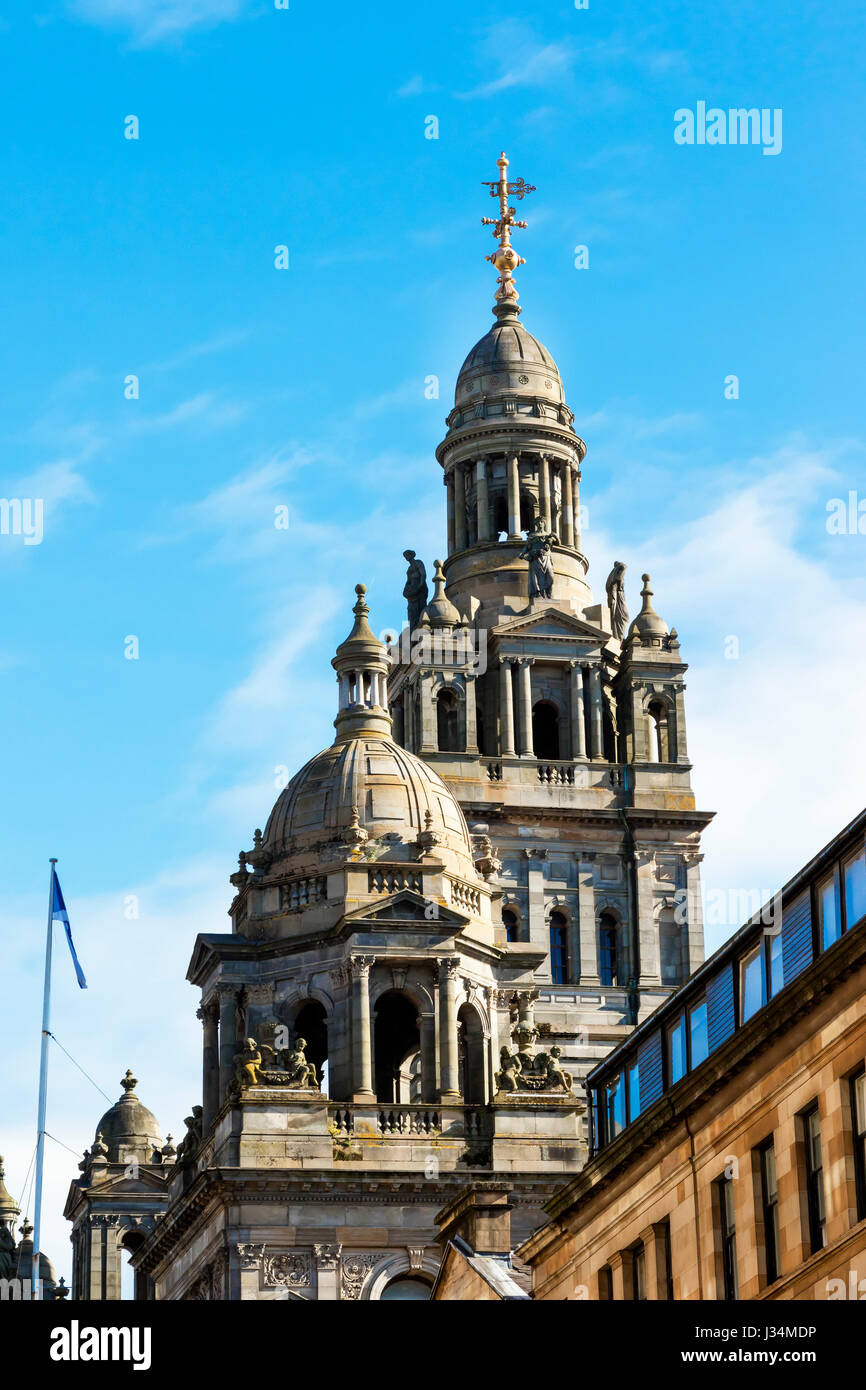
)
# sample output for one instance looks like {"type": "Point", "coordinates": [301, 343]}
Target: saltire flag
{"type": "Point", "coordinates": [59, 914]}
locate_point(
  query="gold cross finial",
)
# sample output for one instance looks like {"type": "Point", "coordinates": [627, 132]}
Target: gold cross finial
{"type": "Point", "coordinates": [505, 258]}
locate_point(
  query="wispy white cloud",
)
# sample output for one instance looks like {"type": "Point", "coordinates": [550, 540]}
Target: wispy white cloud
{"type": "Point", "coordinates": [150, 22]}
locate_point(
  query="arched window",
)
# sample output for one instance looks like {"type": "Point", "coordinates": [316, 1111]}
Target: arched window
{"type": "Point", "coordinates": [659, 733]}
{"type": "Point", "coordinates": [397, 1042]}
{"type": "Point", "coordinates": [405, 1289]}
{"type": "Point", "coordinates": [670, 948]}
{"type": "Point", "coordinates": [470, 1056]}
{"type": "Point", "coordinates": [310, 1024]}
{"type": "Point", "coordinates": [447, 721]}
{"type": "Point", "coordinates": [528, 508]}
{"type": "Point", "coordinates": [509, 917]}
{"type": "Point", "coordinates": [545, 730]}
{"type": "Point", "coordinates": [608, 949]}
{"type": "Point", "coordinates": [559, 948]}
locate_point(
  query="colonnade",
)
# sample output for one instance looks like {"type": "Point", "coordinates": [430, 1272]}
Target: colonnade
{"type": "Point", "coordinates": [473, 480]}
{"type": "Point", "coordinates": [515, 712]}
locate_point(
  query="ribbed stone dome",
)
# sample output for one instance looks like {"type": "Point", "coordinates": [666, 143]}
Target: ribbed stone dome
{"type": "Point", "coordinates": [395, 794]}
{"type": "Point", "coordinates": [508, 361]}
{"type": "Point", "coordinates": [129, 1127]}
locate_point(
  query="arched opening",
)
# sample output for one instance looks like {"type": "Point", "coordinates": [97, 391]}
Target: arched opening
{"type": "Point", "coordinates": [608, 949]}
{"type": "Point", "coordinates": [397, 1044]}
{"type": "Point", "coordinates": [510, 919]}
{"type": "Point", "coordinates": [447, 722]}
{"type": "Point", "coordinates": [480, 736]}
{"type": "Point", "coordinates": [311, 1024]}
{"type": "Point", "coordinates": [470, 1055]}
{"type": "Point", "coordinates": [406, 1288]}
{"type": "Point", "coordinates": [545, 730]}
{"type": "Point", "coordinates": [659, 732]}
{"type": "Point", "coordinates": [398, 723]}
{"type": "Point", "coordinates": [133, 1284]}
{"type": "Point", "coordinates": [559, 948]}
{"type": "Point", "coordinates": [500, 515]}
{"type": "Point", "coordinates": [528, 508]}
{"type": "Point", "coordinates": [670, 948]}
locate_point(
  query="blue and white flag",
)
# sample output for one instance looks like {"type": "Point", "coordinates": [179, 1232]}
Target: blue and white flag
{"type": "Point", "coordinates": [59, 914]}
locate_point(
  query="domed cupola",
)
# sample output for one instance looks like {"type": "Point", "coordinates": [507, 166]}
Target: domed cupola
{"type": "Point", "coordinates": [364, 793]}
{"type": "Point", "coordinates": [128, 1130]}
{"type": "Point", "coordinates": [511, 454]}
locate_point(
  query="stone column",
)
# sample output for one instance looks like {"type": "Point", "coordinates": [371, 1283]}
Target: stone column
{"type": "Point", "coordinates": [482, 500]}
{"type": "Point", "coordinates": [506, 709]}
{"type": "Point", "coordinates": [460, 537]}
{"type": "Point", "coordinates": [578, 721]}
{"type": "Point", "coordinates": [596, 718]}
{"type": "Point", "coordinates": [427, 1032]}
{"type": "Point", "coordinates": [526, 749]}
{"type": "Point", "coordinates": [471, 742]}
{"type": "Point", "coordinates": [429, 736]}
{"type": "Point", "coordinates": [327, 1272]}
{"type": "Point", "coordinates": [619, 1277]}
{"type": "Point", "coordinates": [544, 490]}
{"type": "Point", "coordinates": [567, 505]}
{"type": "Point", "coordinates": [209, 1014]}
{"type": "Point", "coordinates": [448, 1027]}
{"type": "Point", "coordinates": [513, 498]}
{"type": "Point", "coordinates": [228, 1041]}
{"type": "Point", "coordinates": [362, 1035]}
{"type": "Point", "coordinates": [449, 484]}
{"type": "Point", "coordinates": [694, 924]}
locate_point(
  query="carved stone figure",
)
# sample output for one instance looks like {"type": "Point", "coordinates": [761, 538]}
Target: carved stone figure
{"type": "Point", "coordinates": [537, 551]}
{"type": "Point", "coordinates": [247, 1064]}
{"type": "Point", "coordinates": [300, 1073]}
{"type": "Point", "coordinates": [189, 1145]}
{"type": "Point", "coordinates": [508, 1076]}
{"type": "Point", "coordinates": [415, 590]}
{"type": "Point", "coordinates": [615, 590]}
{"type": "Point", "coordinates": [553, 1073]}
{"type": "Point", "coordinates": [8, 1254]}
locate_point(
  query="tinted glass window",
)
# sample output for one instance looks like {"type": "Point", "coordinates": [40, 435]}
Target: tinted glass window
{"type": "Point", "coordinates": [698, 1040]}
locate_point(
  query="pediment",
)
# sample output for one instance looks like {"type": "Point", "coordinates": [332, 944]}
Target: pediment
{"type": "Point", "coordinates": [549, 621]}
{"type": "Point", "coordinates": [410, 907]}
{"type": "Point", "coordinates": [150, 1180]}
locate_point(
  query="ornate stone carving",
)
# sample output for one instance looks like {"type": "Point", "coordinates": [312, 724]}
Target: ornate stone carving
{"type": "Point", "coordinates": [290, 1269]}
{"type": "Point", "coordinates": [415, 590]}
{"type": "Point", "coordinates": [327, 1256]}
{"type": "Point", "coordinates": [615, 590]}
{"type": "Point", "coordinates": [539, 543]}
{"type": "Point", "coordinates": [250, 1255]}
{"type": "Point", "coordinates": [355, 1271]}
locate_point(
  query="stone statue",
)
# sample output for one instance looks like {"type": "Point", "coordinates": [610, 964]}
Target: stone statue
{"type": "Point", "coordinates": [537, 551]}
{"type": "Point", "coordinates": [415, 589]}
{"type": "Point", "coordinates": [247, 1065]}
{"type": "Point", "coordinates": [300, 1074]}
{"type": "Point", "coordinates": [191, 1141]}
{"type": "Point", "coordinates": [508, 1076]}
{"type": "Point", "coordinates": [615, 589]}
{"type": "Point", "coordinates": [552, 1071]}
{"type": "Point", "coordinates": [8, 1254]}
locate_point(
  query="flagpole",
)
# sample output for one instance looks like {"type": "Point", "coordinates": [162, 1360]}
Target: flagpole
{"type": "Point", "coordinates": [43, 1091]}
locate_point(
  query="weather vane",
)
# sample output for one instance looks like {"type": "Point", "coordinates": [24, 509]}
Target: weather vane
{"type": "Point", "coordinates": [505, 258]}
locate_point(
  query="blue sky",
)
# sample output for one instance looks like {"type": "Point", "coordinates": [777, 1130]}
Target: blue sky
{"type": "Point", "coordinates": [305, 388]}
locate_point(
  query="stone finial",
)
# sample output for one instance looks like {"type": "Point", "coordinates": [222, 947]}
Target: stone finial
{"type": "Point", "coordinates": [99, 1149]}
{"type": "Point", "coordinates": [62, 1289]}
{"type": "Point", "coordinates": [355, 835]}
{"type": "Point", "coordinates": [648, 626]}
{"type": "Point", "coordinates": [129, 1082]}
{"type": "Point", "coordinates": [505, 258]}
{"type": "Point", "coordinates": [440, 611]}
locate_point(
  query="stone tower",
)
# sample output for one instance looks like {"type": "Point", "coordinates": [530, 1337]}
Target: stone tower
{"type": "Point", "coordinates": [359, 1059]}
{"type": "Point", "coordinates": [560, 728]}
{"type": "Point", "coordinates": [113, 1205]}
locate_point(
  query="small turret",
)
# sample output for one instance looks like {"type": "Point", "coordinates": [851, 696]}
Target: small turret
{"type": "Point", "coordinates": [362, 666]}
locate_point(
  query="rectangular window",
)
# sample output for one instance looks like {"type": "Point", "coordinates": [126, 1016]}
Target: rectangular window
{"type": "Point", "coordinates": [770, 1205]}
{"type": "Point", "coordinates": [677, 1062]}
{"type": "Point", "coordinates": [815, 1180]}
{"type": "Point", "coordinates": [699, 1048]}
{"type": "Point", "coordinates": [725, 1198]}
{"type": "Point", "coordinates": [830, 910]}
{"type": "Point", "coordinates": [777, 970]}
{"type": "Point", "coordinates": [633, 1091]}
{"type": "Point", "coordinates": [753, 984]}
{"type": "Point", "coordinates": [638, 1273]}
{"type": "Point", "coordinates": [858, 1116]}
{"type": "Point", "coordinates": [558, 955]}
{"type": "Point", "coordinates": [855, 890]}
{"type": "Point", "coordinates": [615, 1093]}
